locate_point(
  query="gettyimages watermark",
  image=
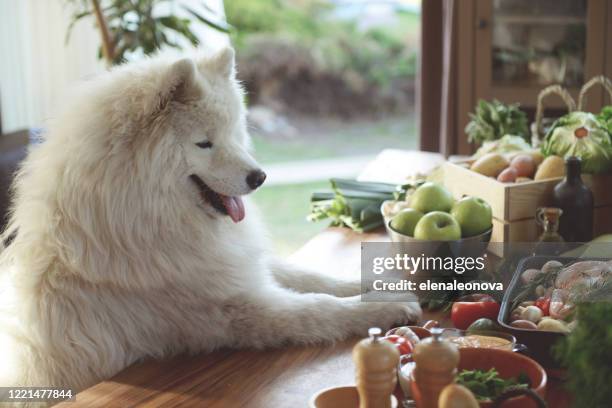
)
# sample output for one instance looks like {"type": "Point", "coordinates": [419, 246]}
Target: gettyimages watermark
{"type": "Point", "coordinates": [448, 270]}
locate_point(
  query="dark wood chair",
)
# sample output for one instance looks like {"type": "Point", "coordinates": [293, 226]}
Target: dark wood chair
{"type": "Point", "coordinates": [13, 149]}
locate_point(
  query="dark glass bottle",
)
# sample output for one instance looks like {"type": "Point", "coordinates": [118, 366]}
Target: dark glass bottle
{"type": "Point", "coordinates": [576, 201]}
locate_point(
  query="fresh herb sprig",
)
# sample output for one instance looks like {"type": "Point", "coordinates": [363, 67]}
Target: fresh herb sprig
{"type": "Point", "coordinates": [487, 385]}
{"type": "Point", "coordinates": [528, 291]}
{"type": "Point", "coordinates": [493, 120]}
{"type": "Point", "coordinates": [586, 353]}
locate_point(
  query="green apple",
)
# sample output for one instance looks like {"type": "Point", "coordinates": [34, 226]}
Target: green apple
{"type": "Point", "coordinates": [473, 215]}
{"type": "Point", "coordinates": [405, 221]}
{"type": "Point", "coordinates": [431, 197]}
{"type": "Point", "coordinates": [437, 226]}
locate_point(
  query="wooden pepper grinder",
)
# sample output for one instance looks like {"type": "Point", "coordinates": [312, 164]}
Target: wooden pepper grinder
{"type": "Point", "coordinates": [376, 363]}
{"type": "Point", "coordinates": [436, 367]}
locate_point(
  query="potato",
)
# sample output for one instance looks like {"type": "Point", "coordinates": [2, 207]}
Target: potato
{"type": "Point", "coordinates": [551, 167]}
{"type": "Point", "coordinates": [490, 164]}
{"type": "Point", "coordinates": [537, 157]}
{"type": "Point", "coordinates": [516, 313]}
{"type": "Point", "coordinates": [507, 176]}
{"type": "Point", "coordinates": [524, 324]}
{"type": "Point", "coordinates": [535, 154]}
{"type": "Point", "coordinates": [524, 165]}
{"type": "Point", "coordinates": [553, 325]}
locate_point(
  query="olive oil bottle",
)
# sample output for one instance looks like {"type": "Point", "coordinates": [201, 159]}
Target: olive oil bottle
{"type": "Point", "coordinates": [549, 242]}
{"type": "Point", "coordinates": [575, 199]}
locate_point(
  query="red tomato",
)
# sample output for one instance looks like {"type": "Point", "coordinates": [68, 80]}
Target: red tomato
{"type": "Point", "coordinates": [473, 307]}
{"type": "Point", "coordinates": [544, 304]}
{"type": "Point", "coordinates": [477, 297]}
{"type": "Point", "coordinates": [402, 344]}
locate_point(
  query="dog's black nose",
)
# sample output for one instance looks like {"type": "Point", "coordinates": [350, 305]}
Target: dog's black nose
{"type": "Point", "coordinates": [256, 178]}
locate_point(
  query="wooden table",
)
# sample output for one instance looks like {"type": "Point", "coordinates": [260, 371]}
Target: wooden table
{"type": "Point", "coordinates": [275, 378]}
{"type": "Point", "coordinates": [270, 379]}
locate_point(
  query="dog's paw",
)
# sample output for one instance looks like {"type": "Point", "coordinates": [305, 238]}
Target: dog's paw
{"type": "Point", "coordinates": [385, 314]}
{"type": "Point", "coordinates": [391, 314]}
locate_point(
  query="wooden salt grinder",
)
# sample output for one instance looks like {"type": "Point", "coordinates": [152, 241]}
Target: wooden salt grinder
{"type": "Point", "coordinates": [436, 367]}
{"type": "Point", "coordinates": [376, 364]}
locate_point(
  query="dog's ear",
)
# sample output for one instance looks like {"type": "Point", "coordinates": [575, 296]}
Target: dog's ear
{"type": "Point", "coordinates": [181, 83]}
{"type": "Point", "coordinates": [223, 62]}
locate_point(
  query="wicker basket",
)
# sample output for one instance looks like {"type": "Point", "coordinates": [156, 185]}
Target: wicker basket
{"type": "Point", "coordinates": [537, 130]}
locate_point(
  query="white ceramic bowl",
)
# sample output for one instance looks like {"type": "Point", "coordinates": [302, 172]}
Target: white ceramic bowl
{"type": "Point", "coordinates": [340, 397]}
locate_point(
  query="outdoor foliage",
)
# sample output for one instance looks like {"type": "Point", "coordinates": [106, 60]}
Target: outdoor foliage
{"type": "Point", "coordinates": [299, 53]}
{"type": "Point", "coordinates": [131, 25]}
{"type": "Point", "coordinates": [288, 50]}
{"type": "Point", "coordinates": [336, 45]}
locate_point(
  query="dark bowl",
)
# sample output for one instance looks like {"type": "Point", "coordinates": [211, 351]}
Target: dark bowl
{"type": "Point", "coordinates": [539, 343]}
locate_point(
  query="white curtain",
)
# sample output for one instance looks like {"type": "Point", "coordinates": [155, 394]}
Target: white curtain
{"type": "Point", "coordinates": [37, 66]}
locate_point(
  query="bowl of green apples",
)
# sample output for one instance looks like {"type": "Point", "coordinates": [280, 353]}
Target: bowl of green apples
{"type": "Point", "coordinates": [432, 214]}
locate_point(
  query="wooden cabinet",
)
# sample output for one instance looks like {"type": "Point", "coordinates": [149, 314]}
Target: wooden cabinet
{"type": "Point", "coordinates": [511, 49]}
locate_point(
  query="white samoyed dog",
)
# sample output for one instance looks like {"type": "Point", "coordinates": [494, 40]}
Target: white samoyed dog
{"type": "Point", "coordinates": [132, 239]}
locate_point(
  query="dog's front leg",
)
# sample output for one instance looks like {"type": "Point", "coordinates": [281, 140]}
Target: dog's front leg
{"type": "Point", "coordinates": [294, 277]}
{"type": "Point", "coordinates": [276, 316]}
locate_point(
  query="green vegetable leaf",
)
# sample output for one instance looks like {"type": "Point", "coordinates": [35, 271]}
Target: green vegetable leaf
{"type": "Point", "coordinates": [209, 21]}
{"type": "Point", "coordinates": [506, 144]}
{"type": "Point", "coordinates": [488, 385]}
{"type": "Point", "coordinates": [493, 120]}
{"type": "Point", "coordinates": [595, 149]}
{"type": "Point", "coordinates": [605, 118]}
{"type": "Point", "coordinates": [354, 204]}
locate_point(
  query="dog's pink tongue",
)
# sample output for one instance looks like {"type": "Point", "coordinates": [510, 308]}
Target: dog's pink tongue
{"type": "Point", "coordinates": [234, 207]}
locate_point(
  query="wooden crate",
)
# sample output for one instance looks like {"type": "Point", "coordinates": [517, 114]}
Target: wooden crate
{"type": "Point", "coordinates": [528, 231]}
{"type": "Point", "coordinates": [516, 201]}
{"type": "Point", "coordinates": [514, 204]}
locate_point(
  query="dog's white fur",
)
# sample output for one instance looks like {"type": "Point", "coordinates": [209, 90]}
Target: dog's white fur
{"type": "Point", "coordinates": [115, 255]}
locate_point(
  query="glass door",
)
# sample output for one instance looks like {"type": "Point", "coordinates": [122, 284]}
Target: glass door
{"type": "Point", "coordinates": [521, 46]}
{"type": "Point", "coordinates": [538, 43]}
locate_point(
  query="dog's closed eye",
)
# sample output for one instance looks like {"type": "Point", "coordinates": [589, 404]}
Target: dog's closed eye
{"type": "Point", "coordinates": [204, 145]}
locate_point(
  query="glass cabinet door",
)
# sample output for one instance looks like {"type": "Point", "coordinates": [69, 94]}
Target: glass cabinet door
{"type": "Point", "coordinates": [538, 42]}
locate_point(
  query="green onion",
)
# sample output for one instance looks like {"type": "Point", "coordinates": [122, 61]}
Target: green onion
{"type": "Point", "coordinates": [355, 204]}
